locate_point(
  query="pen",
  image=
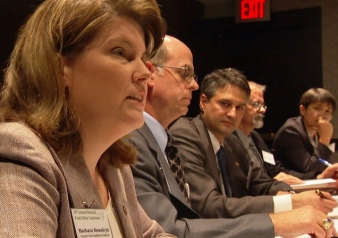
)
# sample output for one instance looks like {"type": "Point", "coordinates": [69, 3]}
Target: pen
{"type": "Point", "coordinates": [324, 162]}
{"type": "Point", "coordinates": [320, 194]}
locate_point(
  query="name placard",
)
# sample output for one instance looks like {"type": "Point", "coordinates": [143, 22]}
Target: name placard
{"type": "Point", "coordinates": [91, 223]}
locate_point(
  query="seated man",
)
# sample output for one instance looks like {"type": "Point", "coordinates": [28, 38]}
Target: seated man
{"type": "Point", "coordinates": [302, 141]}
{"type": "Point", "coordinates": [164, 194]}
{"type": "Point", "coordinates": [214, 181]}
{"type": "Point", "coordinates": [259, 152]}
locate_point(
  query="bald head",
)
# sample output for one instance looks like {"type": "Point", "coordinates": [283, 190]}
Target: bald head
{"type": "Point", "coordinates": [170, 88]}
{"type": "Point", "coordinates": [171, 47]}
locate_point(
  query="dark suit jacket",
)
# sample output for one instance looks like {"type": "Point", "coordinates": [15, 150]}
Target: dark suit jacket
{"type": "Point", "coordinates": [294, 150]}
{"type": "Point", "coordinates": [36, 197]}
{"type": "Point", "coordinates": [202, 174]}
{"type": "Point", "coordinates": [162, 199]}
{"type": "Point", "coordinates": [273, 170]}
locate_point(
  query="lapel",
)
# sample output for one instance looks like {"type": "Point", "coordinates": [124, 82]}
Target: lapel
{"type": "Point", "coordinates": [257, 142]}
{"type": "Point", "coordinates": [241, 152]}
{"type": "Point", "coordinates": [205, 138]}
{"type": "Point", "coordinates": [161, 161]}
{"type": "Point", "coordinates": [118, 194]}
{"type": "Point", "coordinates": [240, 165]}
{"type": "Point", "coordinates": [302, 130]}
{"type": "Point", "coordinates": [84, 194]}
{"type": "Point", "coordinates": [81, 187]}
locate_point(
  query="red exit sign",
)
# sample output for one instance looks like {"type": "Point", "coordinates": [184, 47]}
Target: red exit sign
{"type": "Point", "coordinates": [252, 10]}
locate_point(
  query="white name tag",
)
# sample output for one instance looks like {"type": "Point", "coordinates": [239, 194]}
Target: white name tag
{"type": "Point", "coordinates": [268, 157]}
{"type": "Point", "coordinates": [91, 223]}
{"type": "Point", "coordinates": [332, 147]}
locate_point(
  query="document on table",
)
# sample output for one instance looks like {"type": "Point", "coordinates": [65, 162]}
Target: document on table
{"type": "Point", "coordinates": [326, 183]}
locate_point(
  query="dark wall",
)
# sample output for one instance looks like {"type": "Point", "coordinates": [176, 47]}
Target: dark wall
{"type": "Point", "coordinates": [13, 14]}
{"type": "Point", "coordinates": [180, 15]}
{"type": "Point", "coordinates": [284, 54]}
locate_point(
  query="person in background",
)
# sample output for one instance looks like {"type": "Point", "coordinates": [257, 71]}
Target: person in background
{"type": "Point", "coordinates": [165, 194]}
{"type": "Point", "coordinates": [75, 85]}
{"type": "Point", "coordinates": [232, 185]}
{"type": "Point", "coordinates": [302, 144]}
{"type": "Point", "coordinates": [253, 118]}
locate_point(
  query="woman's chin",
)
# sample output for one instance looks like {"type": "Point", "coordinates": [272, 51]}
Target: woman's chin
{"type": "Point", "coordinates": [135, 123]}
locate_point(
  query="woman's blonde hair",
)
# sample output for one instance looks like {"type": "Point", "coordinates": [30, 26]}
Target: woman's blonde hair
{"type": "Point", "coordinates": [33, 92]}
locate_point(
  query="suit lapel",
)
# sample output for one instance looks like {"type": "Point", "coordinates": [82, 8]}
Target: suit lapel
{"type": "Point", "coordinates": [303, 131]}
{"type": "Point", "coordinates": [173, 187]}
{"type": "Point", "coordinates": [119, 199]}
{"type": "Point", "coordinates": [84, 194]}
{"type": "Point", "coordinates": [203, 132]}
{"type": "Point", "coordinates": [81, 187]}
{"type": "Point", "coordinates": [239, 164]}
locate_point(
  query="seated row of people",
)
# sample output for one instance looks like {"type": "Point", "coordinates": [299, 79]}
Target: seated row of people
{"type": "Point", "coordinates": [204, 187]}
{"type": "Point", "coordinates": [281, 165]}
{"type": "Point", "coordinates": [76, 84]}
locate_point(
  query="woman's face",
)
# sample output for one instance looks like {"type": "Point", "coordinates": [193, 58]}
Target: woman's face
{"type": "Point", "coordinates": [107, 82]}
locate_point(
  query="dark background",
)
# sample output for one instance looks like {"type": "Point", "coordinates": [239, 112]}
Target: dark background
{"type": "Point", "coordinates": [283, 53]}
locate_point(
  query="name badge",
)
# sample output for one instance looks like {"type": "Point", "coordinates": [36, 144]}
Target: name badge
{"type": "Point", "coordinates": [268, 157]}
{"type": "Point", "coordinates": [332, 147]}
{"type": "Point", "coordinates": [91, 223]}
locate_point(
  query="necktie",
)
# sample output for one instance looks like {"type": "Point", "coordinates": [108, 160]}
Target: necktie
{"type": "Point", "coordinates": [222, 165]}
{"type": "Point", "coordinates": [176, 165]}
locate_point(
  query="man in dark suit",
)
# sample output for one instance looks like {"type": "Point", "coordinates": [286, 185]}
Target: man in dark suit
{"type": "Point", "coordinates": [259, 152]}
{"type": "Point", "coordinates": [303, 141]}
{"type": "Point", "coordinates": [169, 95]}
{"type": "Point", "coordinates": [223, 97]}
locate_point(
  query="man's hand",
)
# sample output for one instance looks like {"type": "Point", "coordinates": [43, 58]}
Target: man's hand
{"type": "Point", "coordinates": [289, 179]}
{"type": "Point", "coordinates": [325, 205]}
{"type": "Point", "coordinates": [329, 172]}
{"type": "Point", "coordinates": [325, 131]}
{"type": "Point", "coordinates": [304, 220]}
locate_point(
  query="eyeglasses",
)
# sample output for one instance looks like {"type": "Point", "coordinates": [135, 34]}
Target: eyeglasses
{"type": "Point", "coordinates": [188, 74]}
{"type": "Point", "coordinates": [258, 105]}
{"type": "Point", "coordinates": [318, 112]}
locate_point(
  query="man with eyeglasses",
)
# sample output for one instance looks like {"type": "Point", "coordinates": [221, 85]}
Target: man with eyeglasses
{"type": "Point", "coordinates": [224, 184]}
{"type": "Point", "coordinates": [156, 181]}
{"type": "Point", "coordinates": [302, 141]}
{"type": "Point", "coordinates": [257, 149]}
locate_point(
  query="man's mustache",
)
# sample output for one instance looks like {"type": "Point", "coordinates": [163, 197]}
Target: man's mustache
{"type": "Point", "coordinates": [259, 116]}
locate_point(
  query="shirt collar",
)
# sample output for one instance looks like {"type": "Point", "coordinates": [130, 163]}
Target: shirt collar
{"type": "Point", "coordinates": [215, 143]}
{"type": "Point", "coordinates": [157, 130]}
{"type": "Point", "coordinates": [244, 138]}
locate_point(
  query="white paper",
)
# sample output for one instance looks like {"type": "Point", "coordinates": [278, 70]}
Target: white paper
{"type": "Point", "coordinates": [316, 183]}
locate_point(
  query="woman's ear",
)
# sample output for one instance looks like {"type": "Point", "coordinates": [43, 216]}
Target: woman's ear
{"type": "Point", "coordinates": [302, 110]}
{"type": "Point", "coordinates": [65, 71]}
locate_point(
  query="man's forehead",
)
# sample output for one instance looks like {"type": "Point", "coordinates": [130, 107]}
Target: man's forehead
{"type": "Point", "coordinates": [256, 94]}
{"type": "Point", "coordinates": [232, 93]}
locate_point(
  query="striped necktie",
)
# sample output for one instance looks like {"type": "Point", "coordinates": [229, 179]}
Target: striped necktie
{"type": "Point", "coordinates": [176, 165]}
